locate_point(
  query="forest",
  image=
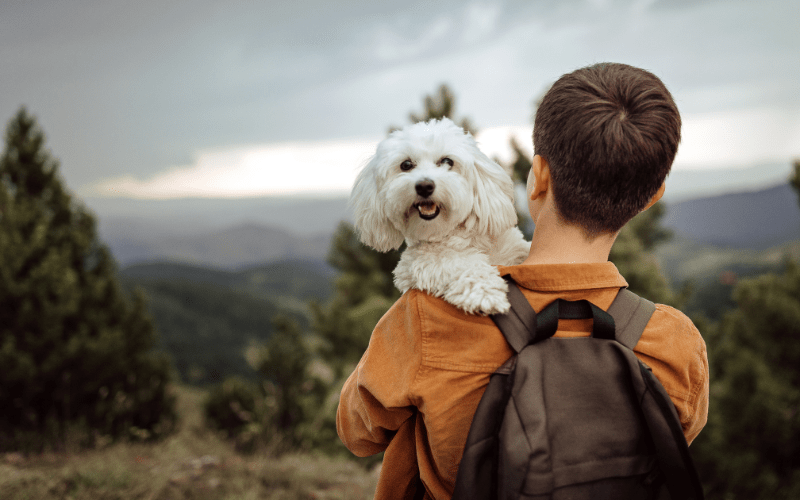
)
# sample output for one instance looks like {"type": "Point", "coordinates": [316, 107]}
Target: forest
{"type": "Point", "coordinates": [224, 384]}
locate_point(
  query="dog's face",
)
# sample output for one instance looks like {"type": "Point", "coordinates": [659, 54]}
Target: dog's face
{"type": "Point", "coordinates": [424, 181]}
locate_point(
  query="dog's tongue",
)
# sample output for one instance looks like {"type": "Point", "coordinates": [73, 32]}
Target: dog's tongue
{"type": "Point", "coordinates": [427, 208]}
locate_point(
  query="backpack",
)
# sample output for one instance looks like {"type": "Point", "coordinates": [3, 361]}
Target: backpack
{"type": "Point", "coordinates": [575, 418]}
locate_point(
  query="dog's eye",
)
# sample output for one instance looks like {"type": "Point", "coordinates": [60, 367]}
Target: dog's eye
{"type": "Point", "coordinates": [406, 165]}
{"type": "Point", "coordinates": [446, 161]}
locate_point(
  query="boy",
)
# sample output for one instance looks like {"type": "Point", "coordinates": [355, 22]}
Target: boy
{"type": "Point", "coordinates": [605, 137]}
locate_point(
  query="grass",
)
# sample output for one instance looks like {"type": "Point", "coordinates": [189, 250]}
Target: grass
{"type": "Point", "coordinates": [194, 463]}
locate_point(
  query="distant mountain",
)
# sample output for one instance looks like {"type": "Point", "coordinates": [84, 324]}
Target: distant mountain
{"type": "Point", "coordinates": [689, 184]}
{"type": "Point", "coordinates": [231, 248]}
{"type": "Point", "coordinates": [306, 215]}
{"type": "Point", "coordinates": [191, 216]}
{"type": "Point", "coordinates": [756, 219]}
{"type": "Point", "coordinates": [226, 233]}
{"type": "Point", "coordinates": [169, 230]}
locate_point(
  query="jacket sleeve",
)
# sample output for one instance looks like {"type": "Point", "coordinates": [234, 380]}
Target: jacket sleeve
{"type": "Point", "coordinates": [672, 346]}
{"type": "Point", "coordinates": [378, 396]}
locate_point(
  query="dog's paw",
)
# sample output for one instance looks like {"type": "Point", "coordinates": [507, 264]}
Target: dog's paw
{"type": "Point", "coordinates": [484, 295]}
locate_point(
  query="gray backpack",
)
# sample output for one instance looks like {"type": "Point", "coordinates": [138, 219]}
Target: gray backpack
{"type": "Point", "coordinates": [575, 418]}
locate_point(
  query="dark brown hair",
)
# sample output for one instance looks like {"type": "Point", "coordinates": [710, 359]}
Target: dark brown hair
{"type": "Point", "coordinates": [609, 133]}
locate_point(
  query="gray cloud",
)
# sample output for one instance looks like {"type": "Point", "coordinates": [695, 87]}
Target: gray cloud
{"type": "Point", "coordinates": [135, 88]}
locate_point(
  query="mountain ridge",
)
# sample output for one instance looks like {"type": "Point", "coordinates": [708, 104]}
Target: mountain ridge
{"type": "Point", "coordinates": [233, 247]}
{"type": "Point", "coordinates": [755, 219]}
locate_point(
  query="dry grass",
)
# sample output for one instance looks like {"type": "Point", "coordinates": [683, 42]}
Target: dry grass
{"type": "Point", "coordinates": [194, 463]}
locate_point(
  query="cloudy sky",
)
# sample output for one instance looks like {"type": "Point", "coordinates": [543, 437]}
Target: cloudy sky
{"type": "Point", "coordinates": [155, 99]}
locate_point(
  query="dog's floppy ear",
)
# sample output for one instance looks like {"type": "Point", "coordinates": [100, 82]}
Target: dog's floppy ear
{"type": "Point", "coordinates": [494, 196]}
{"type": "Point", "coordinates": [373, 225]}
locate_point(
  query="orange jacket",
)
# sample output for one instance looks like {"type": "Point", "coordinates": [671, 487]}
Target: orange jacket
{"type": "Point", "coordinates": [417, 386]}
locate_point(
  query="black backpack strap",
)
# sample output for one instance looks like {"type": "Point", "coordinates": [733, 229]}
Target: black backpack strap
{"type": "Point", "coordinates": [547, 320]}
{"type": "Point", "coordinates": [631, 314]}
{"type": "Point", "coordinates": [662, 420]}
{"type": "Point", "coordinates": [519, 324]}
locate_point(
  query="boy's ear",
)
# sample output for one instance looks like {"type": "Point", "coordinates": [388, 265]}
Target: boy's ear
{"type": "Point", "coordinates": [656, 196]}
{"type": "Point", "coordinates": [538, 178]}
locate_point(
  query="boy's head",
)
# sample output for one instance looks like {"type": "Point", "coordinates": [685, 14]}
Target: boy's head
{"type": "Point", "coordinates": [609, 133]}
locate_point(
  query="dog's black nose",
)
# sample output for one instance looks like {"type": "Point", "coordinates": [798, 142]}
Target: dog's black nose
{"type": "Point", "coordinates": [425, 187]}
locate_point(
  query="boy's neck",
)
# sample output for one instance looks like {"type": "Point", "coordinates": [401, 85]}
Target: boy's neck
{"type": "Point", "coordinates": [555, 242]}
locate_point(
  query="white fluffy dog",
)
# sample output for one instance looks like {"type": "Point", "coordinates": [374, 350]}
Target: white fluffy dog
{"type": "Point", "coordinates": [430, 186]}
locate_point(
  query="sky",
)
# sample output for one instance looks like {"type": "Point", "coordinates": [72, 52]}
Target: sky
{"type": "Point", "coordinates": [159, 100]}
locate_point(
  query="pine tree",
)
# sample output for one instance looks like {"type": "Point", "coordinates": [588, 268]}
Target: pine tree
{"type": "Point", "coordinates": [750, 447]}
{"type": "Point", "coordinates": [363, 291]}
{"type": "Point", "coordinates": [441, 104]}
{"type": "Point", "coordinates": [75, 350]}
{"type": "Point", "coordinates": [633, 256]}
{"type": "Point", "coordinates": [520, 167]}
{"type": "Point", "coordinates": [284, 362]}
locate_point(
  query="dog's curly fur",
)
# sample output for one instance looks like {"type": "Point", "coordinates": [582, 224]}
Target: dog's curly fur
{"type": "Point", "coordinates": [430, 186]}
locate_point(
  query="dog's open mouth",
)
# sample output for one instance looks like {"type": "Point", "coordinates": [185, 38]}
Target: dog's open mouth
{"type": "Point", "coordinates": [427, 209]}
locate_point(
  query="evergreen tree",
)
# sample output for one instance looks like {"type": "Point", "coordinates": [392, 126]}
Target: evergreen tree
{"type": "Point", "coordinates": [632, 254]}
{"type": "Point", "coordinates": [647, 228]}
{"type": "Point", "coordinates": [287, 409]}
{"type": "Point", "coordinates": [750, 447]}
{"type": "Point", "coordinates": [441, 104]}
{"type": "Point", "coordinates": [75, 351]}
{"type": "Point", "coordinates": [284, 362]}
{"type": "Point", "coordinates": [520, 167]}
{"type": "Point", "coordinates": [364, 291]}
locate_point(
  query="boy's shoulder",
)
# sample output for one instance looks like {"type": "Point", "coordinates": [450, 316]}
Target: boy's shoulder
{"type": "Point", "coordinates": [674, 349]}
{"type": "Point", "coordinates": [427, 309]}
{"type": "Point", "coordinates": [446, 336]}
{"type": "Point", "coordinates": [675, 325]}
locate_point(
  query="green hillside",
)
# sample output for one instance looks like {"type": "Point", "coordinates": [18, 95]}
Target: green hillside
{"type": "Point", "coordinates": [180, 271]}
{"type": "Point", "coordinates": [206, 318]}
{"type": "Point", "coordinates": [302, 279]}
{"type": "Point", "coordinates": [712, 271]}
{"type": "Point", "coordinates": [305, 280]}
